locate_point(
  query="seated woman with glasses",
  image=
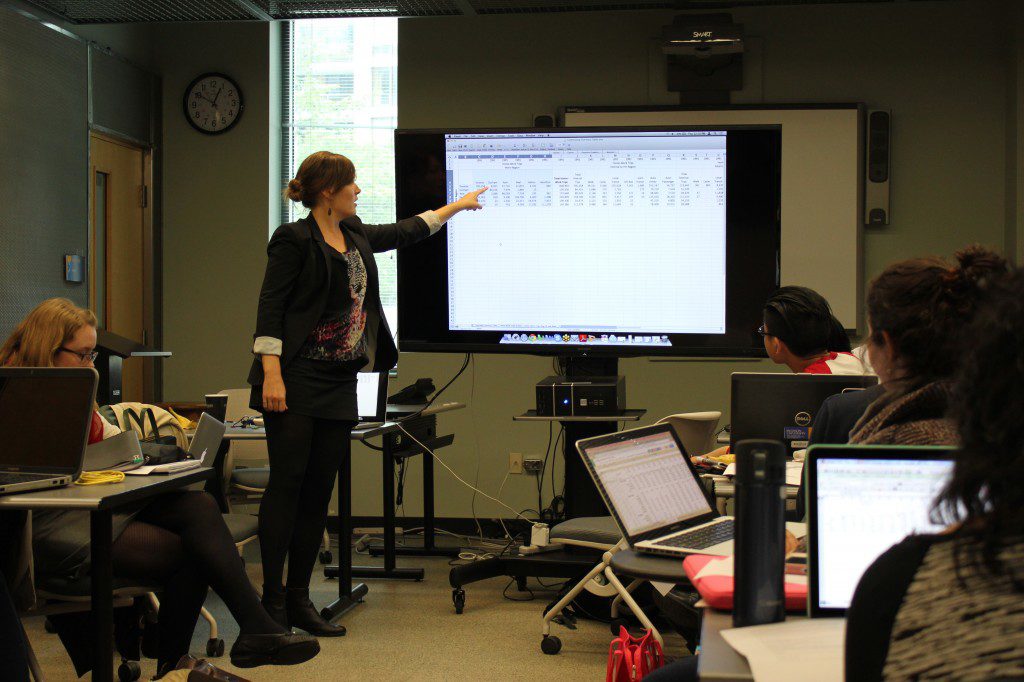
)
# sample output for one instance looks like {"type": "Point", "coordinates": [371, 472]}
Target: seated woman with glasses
{"type": "Point", "coordinates": [801, 332]}
{"type": "Point", "coordinates": [178, 540]}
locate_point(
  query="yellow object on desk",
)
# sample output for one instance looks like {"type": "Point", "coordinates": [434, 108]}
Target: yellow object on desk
{"type": "Point", "coordinates": [100, 477]}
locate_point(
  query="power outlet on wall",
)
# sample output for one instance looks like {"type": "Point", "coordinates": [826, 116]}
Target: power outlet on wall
{"type": "Point", "coordinates": [515, 462]}
{"type": "Point", "coordinates": [532, 466]}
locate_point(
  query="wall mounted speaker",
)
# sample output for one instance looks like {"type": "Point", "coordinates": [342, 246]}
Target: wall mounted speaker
{"type": "Point", "coordinates": [878, 167]}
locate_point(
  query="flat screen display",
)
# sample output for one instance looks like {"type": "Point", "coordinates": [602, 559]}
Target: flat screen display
{"type": "Point", "coordinates": [641, 241]}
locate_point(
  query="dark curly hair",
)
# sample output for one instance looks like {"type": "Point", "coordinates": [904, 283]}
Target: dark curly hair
{"type": "Point", "coordinates": [986, 491]}
{"type": "Point", "coordinates": [925, 305]}
{"type": "Point", "coordinates": [803, 320]}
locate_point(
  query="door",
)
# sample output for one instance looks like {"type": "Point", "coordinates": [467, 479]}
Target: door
{"type": "Point", "coordinates": [117, 258]}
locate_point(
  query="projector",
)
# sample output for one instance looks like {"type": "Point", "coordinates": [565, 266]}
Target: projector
{"type": "Point", "coordinates": [559, 396]}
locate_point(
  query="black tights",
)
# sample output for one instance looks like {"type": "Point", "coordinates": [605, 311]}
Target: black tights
{"type": "Point", "coordinates": [304, 453]}
{"type": "Point", "coordinates": [181, 541]}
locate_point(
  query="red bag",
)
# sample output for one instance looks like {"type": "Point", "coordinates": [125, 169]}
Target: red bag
{"type": "Point", "coordinates": [631, 658]}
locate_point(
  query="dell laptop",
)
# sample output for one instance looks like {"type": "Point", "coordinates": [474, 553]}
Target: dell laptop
{"type": "Point", "coordinates": [862, 500]}
{"type": "Point", "coordinates": [654, 494]}
{"type": "Point", "coordinates": [45, 417]}
{"type": "Point", "coordinates": [778, 406]}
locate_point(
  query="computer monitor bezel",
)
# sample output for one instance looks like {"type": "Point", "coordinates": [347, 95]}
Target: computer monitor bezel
{"type": "Point", "coordinates": [630, 434]}
{"type": "Point", "coordinates": [817, 453]}
{"type": "Point", "coordinates": [737, 341]}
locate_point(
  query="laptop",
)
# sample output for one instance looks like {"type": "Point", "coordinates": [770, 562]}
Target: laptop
{"type": "Point", "coordinates": [207, 439]}
{"type": "Point", "coordinates": [372, 398]}
{"type": "Point", "coordinates": [117, 453]}
{"type": "Point", "coordinates": [654, 494]}
{"type": "Point", "coordinates": [778, 406]}
{"type": "Point", "coordinates": [861, 500]}
{"type": "Point", "coordinates": [45, 417]}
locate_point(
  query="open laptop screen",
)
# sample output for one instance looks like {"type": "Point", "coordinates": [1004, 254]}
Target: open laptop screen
{"type": "Point", "coordinates": [371, 395]}
{"type": "Point", "coordinates": [648, 481]}
{"type": "Point", "coordinates": [865, 506]}
{"type": "Point", "coordinates": [45, 415]}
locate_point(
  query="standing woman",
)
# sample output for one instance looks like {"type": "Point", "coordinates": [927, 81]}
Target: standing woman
{"type": "Point", "coordinates": [319, 323]}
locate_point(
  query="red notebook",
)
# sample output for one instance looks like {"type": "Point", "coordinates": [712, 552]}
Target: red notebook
{"type": "Point", "coordinates": [717, 589]}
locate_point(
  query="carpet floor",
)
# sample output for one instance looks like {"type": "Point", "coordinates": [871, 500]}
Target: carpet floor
{"type": "Point", "coordinates": [408, 631]}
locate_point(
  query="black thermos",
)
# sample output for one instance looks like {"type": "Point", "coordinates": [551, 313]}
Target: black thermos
{"type": "Point", "coordinates": [760, 533]}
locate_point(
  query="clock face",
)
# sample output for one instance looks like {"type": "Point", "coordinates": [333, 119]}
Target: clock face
{"type": "Point", "coordinates": [213, 103]}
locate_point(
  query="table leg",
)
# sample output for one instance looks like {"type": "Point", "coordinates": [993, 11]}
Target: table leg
{"type": "Point", "coordinates": [102, 595]}
{"type": "Point", "coordinates": [348, 595]}
{"type": "Point", "coordinates": [388, 483]}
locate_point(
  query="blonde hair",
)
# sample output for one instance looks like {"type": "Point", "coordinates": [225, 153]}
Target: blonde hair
{"type": "Point", "coordinates": [37, 338]}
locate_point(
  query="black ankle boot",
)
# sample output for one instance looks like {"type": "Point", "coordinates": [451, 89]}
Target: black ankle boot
{"type": "Point", "coordinates": [274, 605]}
{"type": "Point", "coordinates": [303, 615]}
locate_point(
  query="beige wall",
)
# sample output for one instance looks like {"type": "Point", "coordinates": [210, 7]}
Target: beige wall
{"type": "Point", "coordinates": [942, 68]}
{"type": "Point", "coordinates": [949, 153]}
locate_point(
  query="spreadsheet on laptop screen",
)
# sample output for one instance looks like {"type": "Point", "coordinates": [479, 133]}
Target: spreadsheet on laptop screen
{"type": "Point", "coordinates": [601, 231]}
{"type": "Point", "coordinates": [863, 508]}
{"type": "Point", "coordinates": [367, 389]}
{"type": "Point", "coordinates": [649, 482]}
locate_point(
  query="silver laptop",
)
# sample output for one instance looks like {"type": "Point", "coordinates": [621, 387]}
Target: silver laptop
{"type": "Point", "coordinates": [45, 417]}
{"type": "Point", "coordinates": [206, 441]}
{"type": "Point", "coordinates": [372, 398]}
{"type": "Point", "coordinates": [654, 494]}
{"type": "Point", "coordinates": [861, 500]}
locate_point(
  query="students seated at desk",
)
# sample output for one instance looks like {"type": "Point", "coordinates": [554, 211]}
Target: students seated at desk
{"type": "Point", "coordinates": [951, 606]}
{"type": "Point", "coordinates": [918, 310]}
{"type": "Point", "coordinates": [177, 539]}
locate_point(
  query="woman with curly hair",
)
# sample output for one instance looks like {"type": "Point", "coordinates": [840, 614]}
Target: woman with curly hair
{"type": "Point", "coordinates": [918, 311]}
{"type": "Point", "coordinates": [951, 606]}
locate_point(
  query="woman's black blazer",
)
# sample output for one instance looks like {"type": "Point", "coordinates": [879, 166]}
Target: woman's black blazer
{"type": "Point", "coordinates": [298, 277]}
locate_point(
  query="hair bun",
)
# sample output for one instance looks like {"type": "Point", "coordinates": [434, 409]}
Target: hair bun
{"type": "Point", "coordinates": [294, 190]}
{"type": "Point", "coordinates": [977, 265]}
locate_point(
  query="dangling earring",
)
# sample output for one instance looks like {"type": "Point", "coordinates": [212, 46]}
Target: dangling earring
{"type": "Point", "coordinates": [328, 210]}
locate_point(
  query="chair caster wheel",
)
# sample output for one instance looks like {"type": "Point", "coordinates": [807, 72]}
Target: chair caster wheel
{"type": "Point", "coordinates": [129, 671]}
{"type": "Point", "coordinates": [550, 645]}
{"type": "Point", "coordinates": [617, 623]}
{"type": "Point", "coordinates": [215, 648]}
{"type": "Point", "coordinates": [459, 599]}
{"type": "Point", "coordinates": [326, 557]}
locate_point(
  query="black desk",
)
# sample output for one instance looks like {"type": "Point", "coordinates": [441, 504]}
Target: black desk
{"type": "Point", "coordinates": [396, 445]}
{"type": "Point", "coordinates": [101, 501]}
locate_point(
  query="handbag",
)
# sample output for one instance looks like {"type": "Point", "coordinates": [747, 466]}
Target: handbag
{"type": "Point", "coordinates": [631, 658]}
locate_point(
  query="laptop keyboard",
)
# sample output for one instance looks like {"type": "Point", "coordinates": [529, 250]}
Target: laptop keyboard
{"type": "Point", "coordinates": [11, 479]}
{"type": "Point", "coordinates": [702, 538]}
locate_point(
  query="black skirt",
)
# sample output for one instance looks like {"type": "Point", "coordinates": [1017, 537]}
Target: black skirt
{"type": "Point", "coordinates": [317, 388]}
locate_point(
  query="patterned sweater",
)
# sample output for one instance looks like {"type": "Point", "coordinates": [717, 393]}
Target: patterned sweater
{"type": "Point", "coordinates": [917, 417]}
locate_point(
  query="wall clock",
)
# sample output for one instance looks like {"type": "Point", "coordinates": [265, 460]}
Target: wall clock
{"type": "Point", "coordinates": [213, 103]}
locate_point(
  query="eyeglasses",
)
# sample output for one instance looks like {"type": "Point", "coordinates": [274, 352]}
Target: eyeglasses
{"type": "Point", "coordinates": [762, 332]}
{"type": "Point", "coordinates": [86, 357]}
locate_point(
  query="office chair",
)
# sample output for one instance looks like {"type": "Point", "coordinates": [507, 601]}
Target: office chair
{"type": "Point", "coordinates": [696, 430]}
{"type": "Point", "coordinates": [248, 484]}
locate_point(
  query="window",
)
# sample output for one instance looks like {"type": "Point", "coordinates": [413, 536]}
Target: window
{"type": "Point", "coordinates": [383, 85]}
{"type": "Point", "coordinates": [339, 82]}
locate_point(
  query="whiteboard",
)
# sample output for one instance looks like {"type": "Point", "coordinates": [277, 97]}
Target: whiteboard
{"type": "Point", "coordinates": [822, 181]}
